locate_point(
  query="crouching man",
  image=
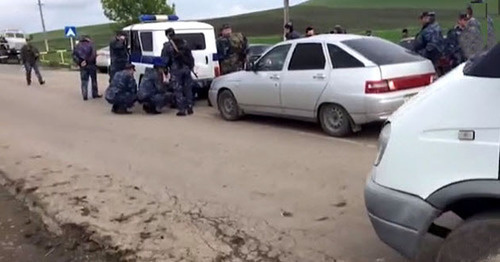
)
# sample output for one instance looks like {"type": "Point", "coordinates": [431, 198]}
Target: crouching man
{"type": "Point", "coordinates": [153, 94]}
{"type": "Point", "coordinates": [122, 92]}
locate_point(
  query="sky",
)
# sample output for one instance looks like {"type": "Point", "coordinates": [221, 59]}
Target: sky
{"type": "Point", "coordinates": [24, 14]}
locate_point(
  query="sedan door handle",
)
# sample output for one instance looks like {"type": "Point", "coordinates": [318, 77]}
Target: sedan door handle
{"type": "Point", "coordinates": [319, 77]}
{"type": "Point", "coordinates": [275, 77]}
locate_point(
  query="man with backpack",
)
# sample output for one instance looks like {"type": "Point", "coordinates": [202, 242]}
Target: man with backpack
{"type": "Point", "coordinates": [30, 57]}
{"type": "Point", "coordinates": [178, 58]}
{"type": "Point", "coordinates": [231, 50]}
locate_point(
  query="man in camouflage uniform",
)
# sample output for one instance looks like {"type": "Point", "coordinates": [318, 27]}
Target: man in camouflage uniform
{"type": "Point", "coordinates": [153, 90]}
{"type": "Point", "coordinates": [118, 52]}
{"type": "Point", "coordinates": [231, 50]}
{"type": "Point", "coordinates": [122, 91]}
{"type": "Point", "coordinates": [84, 56]}
{"type": "Point", "coordinates": [178, 58]}
{"type": "Point", "coordinates": [30, 56]}
{"type": "Point", "coordinates": [429, 42]}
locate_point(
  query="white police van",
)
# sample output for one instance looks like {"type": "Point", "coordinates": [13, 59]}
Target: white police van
{"type": "Point", "coordinates": [147, 38]}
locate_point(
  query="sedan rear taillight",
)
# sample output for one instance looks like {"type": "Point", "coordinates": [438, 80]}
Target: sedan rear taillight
{"type": "Point", "coordinates": [397, 84]}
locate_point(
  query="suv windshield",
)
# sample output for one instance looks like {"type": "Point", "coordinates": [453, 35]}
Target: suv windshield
{"type": "Point", "coordinates": [487, 65]}
{"type": "Point", "coordinates": [382, 52]}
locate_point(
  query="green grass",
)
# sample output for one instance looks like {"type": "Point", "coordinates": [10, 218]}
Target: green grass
{"type": "Point", "coordinates": [385, 17]}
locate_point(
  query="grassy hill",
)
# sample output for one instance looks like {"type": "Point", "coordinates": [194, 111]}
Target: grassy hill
{"type": "Point", "coordinates": [385, 17]}
{"type": "Point", "coordinates": [383, 4]}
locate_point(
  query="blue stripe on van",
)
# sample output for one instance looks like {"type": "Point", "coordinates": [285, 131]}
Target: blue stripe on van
{"type": "Point", "coordinates": [156, 60]}
{"type": "Point", "coordinates": [143, 59]}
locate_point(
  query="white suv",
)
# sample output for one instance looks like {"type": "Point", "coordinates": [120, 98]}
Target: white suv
{"type": "Point", "coordinates": [440, 153]}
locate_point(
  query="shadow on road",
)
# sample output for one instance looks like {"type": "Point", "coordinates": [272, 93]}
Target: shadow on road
{"type": "Point", "coordinates": [368, 134]}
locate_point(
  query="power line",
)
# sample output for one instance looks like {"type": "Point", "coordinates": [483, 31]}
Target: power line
{"type": "Point", "coordinates": [43, 25]}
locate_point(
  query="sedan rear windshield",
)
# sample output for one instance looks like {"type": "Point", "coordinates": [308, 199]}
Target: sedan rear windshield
{"type": "Point", "coordinates": [487, 65]}
{"type": "Point", "coordinates": [382, 52]}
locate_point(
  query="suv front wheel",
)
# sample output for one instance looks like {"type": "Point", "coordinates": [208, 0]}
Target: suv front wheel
{"type": "Point", "coordinates": [476, 240]}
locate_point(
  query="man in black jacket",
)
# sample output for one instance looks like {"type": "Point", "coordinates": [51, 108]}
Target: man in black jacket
{"type": "Point", "coordinates": [118, 52]}
{"type": "Point", "coordinates": [30, 57]}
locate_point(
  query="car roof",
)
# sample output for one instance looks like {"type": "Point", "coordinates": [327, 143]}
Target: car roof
{"type": "Point", "coordinates": [328, 38]}
{"type": "Point", "coordinates": [177, 25]}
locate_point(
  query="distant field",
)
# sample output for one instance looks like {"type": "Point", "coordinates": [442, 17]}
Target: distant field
{"type": "Point", "coordinates": [385, 17]}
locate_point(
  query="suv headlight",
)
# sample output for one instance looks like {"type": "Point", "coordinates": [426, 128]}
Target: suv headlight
{"type": "Point", "coordinates": [383, 140]}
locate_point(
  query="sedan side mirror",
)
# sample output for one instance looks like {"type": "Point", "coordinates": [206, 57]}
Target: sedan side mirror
{"type": "Point", "coordinates": [250, 66]}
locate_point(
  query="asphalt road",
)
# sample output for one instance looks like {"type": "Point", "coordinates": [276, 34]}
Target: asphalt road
{"type": "Point", "coordinates": [285, 173]}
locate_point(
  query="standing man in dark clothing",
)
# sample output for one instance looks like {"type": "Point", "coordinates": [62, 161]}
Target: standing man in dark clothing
{"type": "Point", "coordinates": [84, 56]}
{"type": "Point", "coordinates": [118, 52]}
{"type": "Point", "coordinates": [153, 90]}
{"type": "Point", "coordinates": [290, 34]}
{"type": "Point", "coordinates": [30, 57]}
{"type": "Point", "coordinates": [179, 59]}
{"type": "Point", "coordinates": [122, 92]}
{"type": "Point", "coordinates": [453, 49]}
{"type": "Point", "coordinates": [429, 42]}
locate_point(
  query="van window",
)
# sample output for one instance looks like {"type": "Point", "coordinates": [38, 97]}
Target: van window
{"type": "Point", "coordinates": [485, 66]}
{"type": "Point", "coordinates": [9, 35]}
{"type": "Point", "coordinates": [135, 43]}
{"type": "Point", "coordinates": [382, 52]}
{"type": "Point", "coordinates": [19, 35]}
{"type": "Point", "coordinates": [308, 56]}
{"type": "Point", "coordinates": [196, 41]}
{"type": "Point", "coordinates": [147, 41]}
{"type": "Point", "coordinates": [342, 59]}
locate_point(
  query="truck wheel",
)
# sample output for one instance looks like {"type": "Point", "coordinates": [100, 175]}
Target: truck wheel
{"type": "Point", "coordinates": [476, 240]}
{"type": "Point", "coordinates": [228, 106]}
{"type": "Point", "coordinates": [335, 120]}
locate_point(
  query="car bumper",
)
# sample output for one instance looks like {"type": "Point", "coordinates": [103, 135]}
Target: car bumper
{"type": "Point", "coordinates": [400, 220]}
{"type": "Point", "coordinates": [379, 107]}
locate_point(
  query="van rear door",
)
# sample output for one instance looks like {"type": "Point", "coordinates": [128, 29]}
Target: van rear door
{"type": "Point", "coordinates": [203, 46]}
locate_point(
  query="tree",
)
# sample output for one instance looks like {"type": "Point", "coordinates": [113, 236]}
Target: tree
{"type": "Point", "coordinates": [127, 12]}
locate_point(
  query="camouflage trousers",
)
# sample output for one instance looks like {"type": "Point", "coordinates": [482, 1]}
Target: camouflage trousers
{"type": "Point", "coordinates": [182, 83]}
{"type": "Point", "coordinates": [115, 68]}
{"type": "Point", "coordinates": [231, 65]}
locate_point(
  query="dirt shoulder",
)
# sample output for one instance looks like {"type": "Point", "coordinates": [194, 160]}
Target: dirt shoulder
{"type": "Point", "coordinates": [24, 238]}
{"type": "Point", "coordinates": [127, 221]}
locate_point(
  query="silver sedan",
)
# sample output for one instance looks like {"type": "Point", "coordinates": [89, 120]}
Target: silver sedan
{"type": "Point", "coordinates": [340, 81]}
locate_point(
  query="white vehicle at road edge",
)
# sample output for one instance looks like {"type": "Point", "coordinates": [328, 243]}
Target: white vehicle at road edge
{"type": "Point", "coordinates": [340, 81]}
{"type": "Point", "coordinates": [440, 153]}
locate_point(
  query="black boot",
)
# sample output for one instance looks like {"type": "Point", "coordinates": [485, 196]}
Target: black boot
{"type": "Point", "coordinates": [181, 113]}
{"type": "Point", "coordinates": [190, 111]}
{"type": "Point", "coordinates": [122, 111]}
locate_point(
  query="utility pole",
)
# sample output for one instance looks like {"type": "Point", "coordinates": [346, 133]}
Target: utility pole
{"type": "Point", "coordinates": [286, 10]}
{"type": "Point", "coordinates": [43, 26]}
